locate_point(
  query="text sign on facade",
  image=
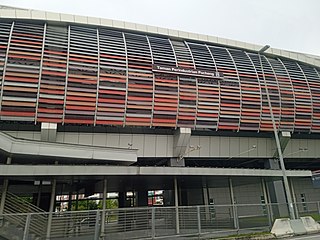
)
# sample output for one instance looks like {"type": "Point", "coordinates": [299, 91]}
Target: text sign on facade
{"type": "Point", "coordinates": [187, 72]}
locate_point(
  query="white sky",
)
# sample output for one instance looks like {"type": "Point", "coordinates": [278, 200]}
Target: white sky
{"type": "Point", "coordinates": [286, 24]}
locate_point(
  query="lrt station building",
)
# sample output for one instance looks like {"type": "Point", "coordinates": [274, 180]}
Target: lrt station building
{"type": "Point", "coordinates": [91, 106]}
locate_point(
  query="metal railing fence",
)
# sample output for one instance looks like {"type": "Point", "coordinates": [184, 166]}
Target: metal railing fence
{"type": "Point", "coordinates": [151, 222]}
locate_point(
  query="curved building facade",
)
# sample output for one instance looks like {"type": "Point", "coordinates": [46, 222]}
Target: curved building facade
{"type": "Point", "coordinates": [85, 74]}
{"type": "Point", "coordinates": [152, 116]}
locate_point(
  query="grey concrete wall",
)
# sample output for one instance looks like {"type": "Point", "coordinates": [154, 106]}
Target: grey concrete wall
{"type": "Point", "coordinates": [220, 195]}
{"type": "Point", "coordinates": [304, 186]}
{"type": "Point", "coordinates": [248, 194]}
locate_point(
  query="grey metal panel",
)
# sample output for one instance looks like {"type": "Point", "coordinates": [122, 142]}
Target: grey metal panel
{"type": "Point", "coordinates": [205, 146]}
{"type": "Point", "coordinates": [99, 140]}
{"type": "Point", "coordinates": [220, 195]}
{"type": "Point", "coordinates": [169, 148]}
{"type": "Point", "coordinates": [253, 142]}
{"type": "Point", "coordinates": [262, 147]}
{"type": "Point", "coordinates": [214, 146]}
{"type": "Point", "coordinates": [37, 148]}
{"type": "Point", "coordinates": [12, 133]}
{"type": "Point", "coordinates": [161, 147]}
{"type": "Point", "coordinates": [125, 140]}
{"type": "Point", "coordinates": [71, 138]}
{"type": "Point", "coordinates": [85, 138]}
{"type": "Point", "coordinates": [149, 146]}
{"type": "Point", "coordinates": [234, 146]}
{"type": "Point", "coordinates": [225, 147]}
{"type": "Point", "coordinates": [113, 140]}
{"type": "Point", "coordinates": [138, 143]}
{"type": "Point", "coordinates": [60, 137]}
{"type": "Point", "coordinates": [244, 145]}
{"type": "Point", "coordinates": [194, 141]}
{"type": "Point", "coordinates": [91, 170]}
{"type": "Point", "coordinates": [249, 193]}
{"type": "Point", "coordinates": [27, 135]}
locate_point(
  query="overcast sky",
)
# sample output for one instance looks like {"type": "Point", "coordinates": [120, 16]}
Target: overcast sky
{"type": "Point", "coordinates": [286, 24]}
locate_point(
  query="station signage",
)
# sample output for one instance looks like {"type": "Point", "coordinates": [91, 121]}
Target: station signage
{"type": "Point", "coordinates": [187, 72]}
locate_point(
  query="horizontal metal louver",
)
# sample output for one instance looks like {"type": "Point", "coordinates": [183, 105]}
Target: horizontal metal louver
{"type": "Point", "coordinates": [88, 75]}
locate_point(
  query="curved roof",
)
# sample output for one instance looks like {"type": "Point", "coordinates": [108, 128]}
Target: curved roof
{"type": "Point", "coordinates": [90, 74]}
{"type": "Point", "coordinates": [20, 13]}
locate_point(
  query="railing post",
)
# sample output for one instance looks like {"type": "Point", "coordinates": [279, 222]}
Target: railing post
{"type": "Point", "coordinates": [199, 220]}
{"type": "Point", "coordinates": [26, 227]}
{"type": "Point", "coordinates": [269, 212]}
{"type": "Point", "coordinates": [96, 226]}
{"type": "Point", "coordinates": [318, 206]}
{"type": "Point", "coordinates": [153, 223]}
{"type": "Point", "coordinates": [235, 216]}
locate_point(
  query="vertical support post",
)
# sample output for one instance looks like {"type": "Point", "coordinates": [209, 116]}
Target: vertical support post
{"type": "Point", "coordinates": [266, 201]}
{"type": "Point", "coordinates": [270, 203]}
{"type": "Point", "coordinates": [26, 227]}
{"type": "Point", "coordinates": [3, 195]}
{"type": "Point", "coordinates": [51, 208]}
{"type": "Point", "coordinates": [39, 193]}
{"type": "Point", "coordinates": [4, 189]}
{"type": "Point", "coordinates": [294, 198]}
{"type": "Point", "coordinates": [176, 204]}
{"type": "Point", "coordinates": [276, 137]}
{"type": "Point", "coordinates": [318, 206]}
{"type": "Point", "coordinates": [153, 223]}
{"type": "Point", "coordinates": [234, 210]}
{"type": "Point", "coordinates": [104, 199]}
{"type": "Point", "coordinates": [96, 226]}
{"type": "Point", "coordinates": [199, 220]}
{"type": "Point", "coordinates": [40, 71]}
{"type": "Point", "coordinates": [70, 201]}
{"type": "Point", "coordinates": [98, 77]}
{"type": "Point", "coordinates": [5, 65]}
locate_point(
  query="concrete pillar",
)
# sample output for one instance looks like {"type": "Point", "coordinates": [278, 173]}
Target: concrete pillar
{"type": "Point", "coordinates": [104, 207]}
{"type": "Point", "coordinates": [39, 194]}
{"type": "Point", "coordinates": [51, 208]}
{"type": "Point", "coordinates": [70, 201]}
{"type": "Point", "coordinates": [4, 189]}
{"type": "Point", "coordinates": [142, 198]}
{"type": "Point", "coordinates": [122, 199]}
{"type": "Point", "coordinates": [276, 192]}
{"type": "Point", "coordinates": [48, 132]}
{"type": "Point", "coordinates": [294, 197]}
{"type": "Point", "coordinates": [205, 191]}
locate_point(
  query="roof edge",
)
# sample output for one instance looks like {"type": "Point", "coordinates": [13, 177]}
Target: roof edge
{"type": "Point", "coordinates": [9, 12]}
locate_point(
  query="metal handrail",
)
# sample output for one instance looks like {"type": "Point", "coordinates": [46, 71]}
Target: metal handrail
{"type": "Point", "coordinates": [152, 222]}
